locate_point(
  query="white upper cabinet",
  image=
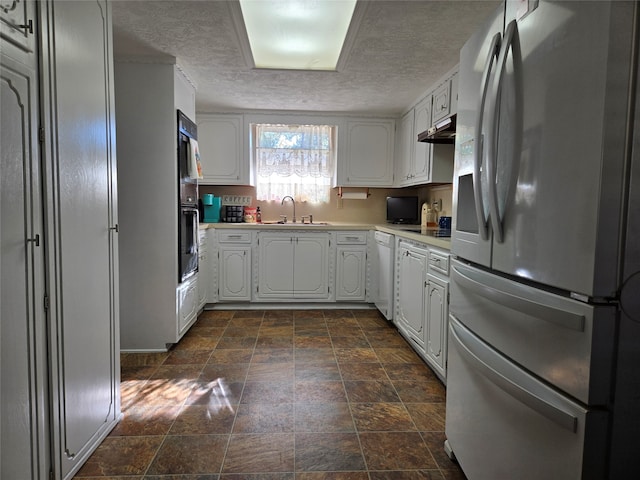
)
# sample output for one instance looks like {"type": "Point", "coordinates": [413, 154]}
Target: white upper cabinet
{"type": "Point", "coordinates": [442, 101]}
{"type": "Point", "coordinates": [420, 163]}
{"type": "Point", "coordinates": [222, 140]}
{"type": "Point", "coordinates": [366, 158]}
{"type": "Point", "coordinates": [422, 151]}
{"type": "Point", "coordinates": [405, 150]}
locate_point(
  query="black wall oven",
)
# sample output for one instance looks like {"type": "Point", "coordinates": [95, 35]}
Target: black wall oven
{"type": "Point", "coordinates": [187, 201]}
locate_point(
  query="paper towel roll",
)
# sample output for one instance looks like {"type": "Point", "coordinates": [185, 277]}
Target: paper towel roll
{"type": "Point", "coordinates": [354, 195]}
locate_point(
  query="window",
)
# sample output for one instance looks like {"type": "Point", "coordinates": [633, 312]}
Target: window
{"type": "Point", "coordinates": [296, 160]}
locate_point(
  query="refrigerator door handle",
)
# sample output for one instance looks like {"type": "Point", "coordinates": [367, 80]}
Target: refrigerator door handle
{"type": "Point", "coordinates": [562, 318]}
{"type": "Point", "coordinates": [479, 151]}
{"type": "Point", "coordinates": [511, 42]}
{"type": "Point", "coordinates": [494, 368]}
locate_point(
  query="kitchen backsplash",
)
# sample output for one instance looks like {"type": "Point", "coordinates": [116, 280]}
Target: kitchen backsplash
{"type": "Point", "coordinates": [372, 210]}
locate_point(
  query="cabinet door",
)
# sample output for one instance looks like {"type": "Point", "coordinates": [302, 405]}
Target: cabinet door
{"type": "Point", "coordinates": [404, 150]}
{"type": "Point", "coordinates": [351, 272]}
{"type": "Point", "coordinates": [422, 155]}
{"type": "Point", "coordinates": [187, 305]}
{"type": "Point", "coordinates": [23, 381]}
{"type": "Point", "coordinates": [235, 273]}
{"type": "Point", "coordinates": [368, 157]}
{"type": "Point", "coordinates": [203, 278]}
{"type": "Point", "coordinates": [203, 268]}
{"type": "Point", "coordinates": [311, 266]}
{"type": "Point", "coordinates": [221, 141]}
{"type": "Point", "coordinates": [212, 267]}
{"type": "Point", "coordinates": [441, 101]}
{"type": "Point", "coordinates": [437, 316]}
{"type": "Point", "coordinates": [412, 263]}
{"type": "Point", "coordinates": [275, 266]}
{"type": "Point", "coordinates": [18, 27]}
{"type": "Point", "coordinates": [81, 194]}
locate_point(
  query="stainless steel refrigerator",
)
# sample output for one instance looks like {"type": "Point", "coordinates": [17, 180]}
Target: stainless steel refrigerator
{"type": "Point", "coordinates": [543, 373]}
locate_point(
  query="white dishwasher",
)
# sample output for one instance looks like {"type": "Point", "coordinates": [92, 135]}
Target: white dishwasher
{"type": "Point", "coordinates": [383, 291]}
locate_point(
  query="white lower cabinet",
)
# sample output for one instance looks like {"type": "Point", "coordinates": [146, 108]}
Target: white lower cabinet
{"type": "Point", "coordinates": [235, 273]}
{"type": "Point", "coordinates": [234, 265]}
{"type": "Point", "coordinates": [437, 314]}
{"type": "Point", "coordinates": [411, 268]}
{"type": "Point", "coordinates": [203, 269]}
{"type": "Point", "coordinates": [188, 303]}
{"type": "Point", "coordinates": [351, 270]}
{"type": "Point", "coordinates": [422, 301]}
{"type": "Point", "coordinates": [351, 266]}
{"type": "Point", "coordinates": [293, 265]}
{"type": "Point", "coordinates": [212, 266]}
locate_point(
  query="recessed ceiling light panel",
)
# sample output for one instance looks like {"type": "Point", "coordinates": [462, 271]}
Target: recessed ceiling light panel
{"type": "Point", "coordinates": [297, 34]}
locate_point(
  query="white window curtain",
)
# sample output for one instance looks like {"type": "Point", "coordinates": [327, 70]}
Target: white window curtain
{"type": "Point", "coordinates": [296, 160]}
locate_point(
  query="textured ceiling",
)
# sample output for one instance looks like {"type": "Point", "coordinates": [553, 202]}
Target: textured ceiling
{"type": "Point", "coordinates": [399, 50]}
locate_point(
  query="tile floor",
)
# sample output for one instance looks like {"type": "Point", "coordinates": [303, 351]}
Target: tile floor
{"type": "Point", "coordinates": [279, 395]}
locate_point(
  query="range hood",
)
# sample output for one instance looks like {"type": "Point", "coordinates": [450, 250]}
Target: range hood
{"type": "Point", "coordinates": [443, 131]}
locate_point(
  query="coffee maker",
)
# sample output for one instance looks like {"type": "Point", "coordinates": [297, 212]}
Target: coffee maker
{"type": "Point", "coordinates": [211, 207]}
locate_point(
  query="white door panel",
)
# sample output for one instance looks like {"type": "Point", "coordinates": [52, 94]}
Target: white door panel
{"type": "Point", "coordinates": [560, 217]}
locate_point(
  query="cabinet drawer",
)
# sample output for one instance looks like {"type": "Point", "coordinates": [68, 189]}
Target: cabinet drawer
{"type": "Point", "coordinates": [351, 238]}
{"type": "Point", "coordinates": [439, 262]}
{"type": "Point", "coordinates": [234, 237]}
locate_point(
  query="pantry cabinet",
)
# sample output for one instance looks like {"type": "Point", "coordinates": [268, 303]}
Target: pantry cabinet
{"type": "Point", "coordinates": [294, 265]}
{"type": "Point", "coordinates": [223, 145]}
{"type": "Point", "coordinates": [365, 156]}
{"type": "Point", "coordinates": [234, 266]}
{"type": "Point", "coordinates": [24, 440]}
{"type": "Point", "coordinates": [351, 266]}
{"type": "Point", "coordinates": [76, 232]}
{"type": "Point", "coordinates": [147, 97]}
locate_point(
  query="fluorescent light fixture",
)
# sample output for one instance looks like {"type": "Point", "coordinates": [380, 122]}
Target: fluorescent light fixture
{"type": "Point", "coordinates": [297, 34]}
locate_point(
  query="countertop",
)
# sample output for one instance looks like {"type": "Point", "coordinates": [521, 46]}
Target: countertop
{"type": "Point", "coordinates": [425, 235]}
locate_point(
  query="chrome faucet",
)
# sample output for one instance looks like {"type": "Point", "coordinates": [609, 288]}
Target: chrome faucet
{"type": "Point", "coordinates": [294, 206]}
